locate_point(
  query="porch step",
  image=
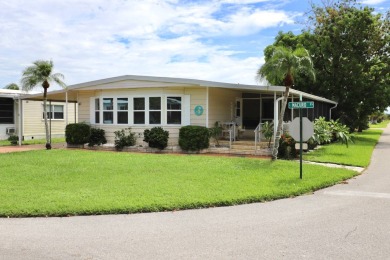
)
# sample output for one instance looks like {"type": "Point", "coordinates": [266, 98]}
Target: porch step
{"type": "Point", "coordinates": [246, 147]}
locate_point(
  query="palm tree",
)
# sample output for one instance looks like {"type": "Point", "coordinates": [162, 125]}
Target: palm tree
{"type": "Point", "coordinates": [40, 73]}
{"type": "Point", "coordinates": [282, 66]}
{"type": "Point", "coordinates": [12, 86]}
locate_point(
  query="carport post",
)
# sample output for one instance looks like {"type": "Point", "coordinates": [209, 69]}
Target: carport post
{"type": "Point", "coordinates": [20, 121]}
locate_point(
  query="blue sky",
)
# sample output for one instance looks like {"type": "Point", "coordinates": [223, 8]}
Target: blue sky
{"type": "Point", "coordinates": [221, 40]}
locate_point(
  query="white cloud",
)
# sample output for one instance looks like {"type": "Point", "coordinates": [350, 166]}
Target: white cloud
{"type": "Point", "coordinates": [95, 39]}
{"type": "Point", "coordinates": [372, 2]}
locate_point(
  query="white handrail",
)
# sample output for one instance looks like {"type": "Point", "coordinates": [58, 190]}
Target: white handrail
{"type": "Point", "coordinates": [257, 137]}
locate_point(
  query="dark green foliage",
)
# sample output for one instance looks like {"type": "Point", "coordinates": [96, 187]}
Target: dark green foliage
{"type": "Point", "coordinates": [349, 45]}
{"type": "Point", "coordinates": [124, 138]}
{"type": "Point", "coordinates": [326, 132]}
{"type": "Point", "coordinates": [156, 137]}
{"type": "Point", "coordinates": [77, 133]}
{"type": "Point", "coordinates": [97, 137]}
{"type": "Point", "coordinates": [194, 138]}
{"type": "Point", "coordinates": [286, 148]}
{"type": "Point", "coordinates": [13, 139]}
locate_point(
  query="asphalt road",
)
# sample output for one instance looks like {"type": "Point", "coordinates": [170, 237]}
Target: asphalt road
{"type": "Point", "coordinates": [347, 221]}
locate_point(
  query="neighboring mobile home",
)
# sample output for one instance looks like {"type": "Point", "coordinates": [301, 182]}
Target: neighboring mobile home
{"type": "Point", "coordinates": [143, 102]}
{"type": "Point", "coordinates": [31, 123]}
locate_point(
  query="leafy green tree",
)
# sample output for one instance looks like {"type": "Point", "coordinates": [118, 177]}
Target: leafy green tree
{"type": "Point", "coordinates": [282, 66]}
{"type": "Point", "coordinates": [353, 56]}
{"type": "Point", "coordinates": [349, 46]}
{"type": "Point", "coordinates": [40, 73]}
{"type": "Point", "coordinates": [12, 86]}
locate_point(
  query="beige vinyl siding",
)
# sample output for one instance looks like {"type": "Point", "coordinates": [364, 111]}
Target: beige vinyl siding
{"type": "Point", "coordinates": [197, 97]}
{"type": "Point", "coordinates": [34, 124]}
{"type": "Point", "coordinates": [221, 104]}
{"type": "Point", "coordinates": [83, 99]}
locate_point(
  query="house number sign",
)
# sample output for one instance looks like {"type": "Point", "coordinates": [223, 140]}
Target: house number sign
{"type": "Point", "coordinates": [198, 110]}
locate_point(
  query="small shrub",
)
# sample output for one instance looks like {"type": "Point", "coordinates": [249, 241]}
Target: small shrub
{"type": "Point", "coordinates": [215, 132]}
{"type": "Point", "coordinates": [13, 139]}
{"type": "Point", "coordinates": [124, 138]}
{"type": "Point", "coordinates": [156, 137]}
{"type": "Point", "coordinates": [287, 148]}
{"type": "Point", "coordinates": [97, 137]}
{"type": "Point", "coordinates": [194, 138]}
{"type": "Point", "coordinates": [268, 131]}
{"type": "Point", "coordinates": [77, 133]}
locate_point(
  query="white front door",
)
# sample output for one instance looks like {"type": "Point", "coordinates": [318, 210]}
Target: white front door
{"type": "Point", "coordinates": [238, 111]}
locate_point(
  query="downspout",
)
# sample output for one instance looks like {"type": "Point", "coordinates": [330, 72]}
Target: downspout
{"type": "Point", "coordinates": [276, 115]}
{"type": "Point", "coordinates": [66, 107]}
{"type": "Point", "coordinates": [330, 111]}
{"type": "Point", "coordinates": [207, 107]}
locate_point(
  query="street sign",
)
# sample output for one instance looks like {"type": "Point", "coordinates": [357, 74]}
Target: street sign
{"type": "Point", "coordinates": [307, 129]}
{"type": "Point", "coordinates": [300, 105]}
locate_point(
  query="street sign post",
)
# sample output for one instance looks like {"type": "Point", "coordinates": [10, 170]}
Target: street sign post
{"type": "Point", "coordinates": [300, 105]}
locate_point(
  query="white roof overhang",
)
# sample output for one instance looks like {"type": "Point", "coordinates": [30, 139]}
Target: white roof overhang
{"type": "Point", "coordinates": [134, 81]}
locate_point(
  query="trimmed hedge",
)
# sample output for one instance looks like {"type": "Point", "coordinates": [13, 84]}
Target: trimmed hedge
{"type": "Point", "coordinates": [77, 133]}
{"type": "Point", "coordinates": [97, 137]}
{"type": "Point", "coordinates": [194, 138]}
{"type": "Point", "coordinates": [156, 137]}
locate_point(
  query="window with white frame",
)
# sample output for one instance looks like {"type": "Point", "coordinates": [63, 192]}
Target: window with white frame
{"type": "Point", "coordinates": [139, 111]}
{"type": "Point", "coordinates": [6, 111]}
{"type": "Point", "coordinates": [122, 110]}
{"type": "Point", "coordinates": [155, 110]}
{"type": "Point", "coordinates": [174, 109]}
{"type": "Point", "coordinates": [54, 112]}
{"type": "Point", "coordinates": [108, 110]}
{"type": "Point", "coordinates": [149, 110]}
{"type": "Point", "coordinates": [97, 110]}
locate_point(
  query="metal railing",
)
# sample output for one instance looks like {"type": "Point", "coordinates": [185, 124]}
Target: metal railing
{"type": "Point", "coordinates": [257, 135]}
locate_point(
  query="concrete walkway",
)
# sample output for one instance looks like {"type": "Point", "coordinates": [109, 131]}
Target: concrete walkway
{"type": "Point", "coordinates": [346, 221]}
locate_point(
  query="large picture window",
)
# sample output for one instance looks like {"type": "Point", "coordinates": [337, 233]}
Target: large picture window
{"type": "Point", "coordinates": [155, 110]}
{"type": "Point", "coordinates": [139, 111]}
{"type": "Point", "coordinates": [6, 111]}
{"type": "Point", "coordinates": [122, 110]}
{"type": "Point", "coordinates": [54, 112]}
{"type": "Point", "coordinates": [130, 110]}
{"type": "Point", "coordinates": [174, 110]}
{"type": "Point", "coordinates": [108, 110]}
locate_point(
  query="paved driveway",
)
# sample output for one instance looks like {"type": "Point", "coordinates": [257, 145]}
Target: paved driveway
{"type": "Point", "coordinates": [347, 221]}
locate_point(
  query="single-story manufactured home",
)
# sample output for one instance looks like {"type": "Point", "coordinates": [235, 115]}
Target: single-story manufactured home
{"type": "Point", "coordinates": [143, 102]}
{"type": "Point", "coordinates": [25, 117]}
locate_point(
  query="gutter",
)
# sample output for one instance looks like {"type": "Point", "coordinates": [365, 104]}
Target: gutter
{"type": "Point", "coordinates": [330, 111]}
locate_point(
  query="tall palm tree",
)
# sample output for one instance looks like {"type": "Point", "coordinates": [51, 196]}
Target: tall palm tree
{"type": "Point", "coordinates": [12, 86]}
{"type": "Point", "coordinates": [282, 66]}
{"type": "Point", "coordinates": [40, 73]}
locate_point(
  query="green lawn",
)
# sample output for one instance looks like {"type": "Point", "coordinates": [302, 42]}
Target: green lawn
{"type": "Point", "coordinates": [382, 124]}
{"type": "Point", "coordinates": [80, 182]}
{"type": "Point", "coordinates": [357, 153]}
{"type": "Point", "coordinates": [34, 141]}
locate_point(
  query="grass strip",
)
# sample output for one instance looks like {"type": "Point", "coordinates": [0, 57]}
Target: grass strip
{"type": "Point", "coordinates": [79, 182]}
{"type": "Point", "coordinates": [382, 124]}
{"type": "Point", "coordinates": [356, 154]}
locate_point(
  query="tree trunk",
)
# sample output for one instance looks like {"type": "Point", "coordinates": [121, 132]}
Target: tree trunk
{"type": "Point", "coordinates": [48, 145]}
{"type": "Point", "coordinates": [280, 124]}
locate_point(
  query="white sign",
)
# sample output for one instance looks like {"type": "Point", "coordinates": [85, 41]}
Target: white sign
{"type": "Point", "coordinates": [307, 129]}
